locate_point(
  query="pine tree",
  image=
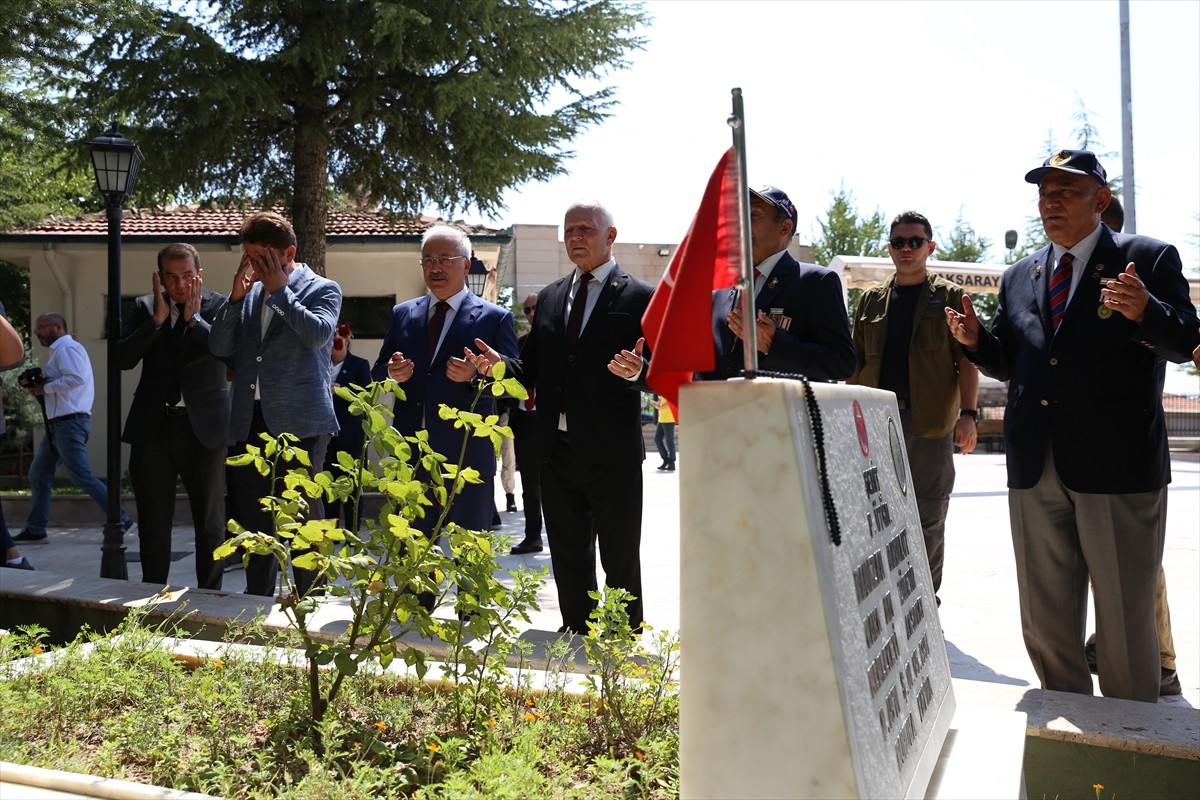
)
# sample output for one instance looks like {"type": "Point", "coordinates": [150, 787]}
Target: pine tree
{"type": "Point", "coordinates": [399, 106]}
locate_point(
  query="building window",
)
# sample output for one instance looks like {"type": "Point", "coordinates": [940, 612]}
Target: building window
{"type": "Point", "coordinates": [368, 317]}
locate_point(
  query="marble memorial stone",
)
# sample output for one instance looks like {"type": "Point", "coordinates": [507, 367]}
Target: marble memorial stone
{"type": "Point", "coordinates": [815, 664]}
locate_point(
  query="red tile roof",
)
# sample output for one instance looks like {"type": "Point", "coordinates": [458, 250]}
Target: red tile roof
{"type": "Point", "coordinates": [192, 222]}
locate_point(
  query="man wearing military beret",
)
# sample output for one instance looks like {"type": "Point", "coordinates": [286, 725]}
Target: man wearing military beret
{"type": "Point", "coordinates": [1082, 333]}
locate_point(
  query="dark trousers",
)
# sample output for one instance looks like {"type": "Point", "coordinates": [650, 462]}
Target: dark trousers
{"type": "Point", "coordinates": [931, 465]}
{"type": "Point", "coordinates": [586, 504]}
{"type": "Point", "coordinates": [664, 440]}
{"type": "Point", "coordinates": [524, 427]}
{"type": "Point", "coordinates": [248, 486]}
{"type": "Point", "coordinates": [171, 451]}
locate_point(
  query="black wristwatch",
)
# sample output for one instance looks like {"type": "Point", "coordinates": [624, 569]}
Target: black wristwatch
{"type": "Point", "coordinates": [973, 413]}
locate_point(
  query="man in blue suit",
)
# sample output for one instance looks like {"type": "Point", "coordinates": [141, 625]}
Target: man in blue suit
{"type": "Point", "coordinates": [277, 324]}
{"type": "Point", "coordinates": [426, 350]}
{"type": "Point", "coordinates": [801, 318]}
{"type": "Point", "coordinates": [1082, 334]}
{"type": "Point", "coordinates": [348, 370]}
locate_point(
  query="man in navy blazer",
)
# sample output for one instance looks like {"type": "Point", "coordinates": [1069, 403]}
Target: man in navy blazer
{"type": "Point", "coordinates": [426, 350]}
{"type": "Point", "coordinates": [278, 326]}
{"type": "Point", "coordinates": [178, 423]}
{"type": "Point", "coordinates": [348, 370]}
{"type": "Point", "coordinates": [1082, 334]}
{"type": "Point", "coordinates": [802, 324]}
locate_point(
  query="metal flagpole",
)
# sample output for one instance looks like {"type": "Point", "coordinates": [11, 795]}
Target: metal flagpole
{"type": "Point", "coordinates": [737, 121]}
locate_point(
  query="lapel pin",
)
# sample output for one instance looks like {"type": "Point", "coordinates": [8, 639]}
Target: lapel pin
{"type": "Point", "coordinates": [1104, 312]}
{"type": "Point", "coordinates": [1037, 273]}
{"type": "Point", "coordinates": [771, 284]}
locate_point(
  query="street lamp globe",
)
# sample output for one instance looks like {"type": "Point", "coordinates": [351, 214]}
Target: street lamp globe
{"type": "Point", "coordinates": [116, 161]}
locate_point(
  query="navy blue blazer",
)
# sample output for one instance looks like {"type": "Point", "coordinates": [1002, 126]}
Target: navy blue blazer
{"type": "Point", "coordinates": [814, 337]}
{"type": "Point", "coordinates": [429, 387]}
{"type": "Point", "coordinates": [290, 366]}
{"type": "Point", "coordinates": [354, 370]}
{"type": "Point", "coordinates": [1093, 390]}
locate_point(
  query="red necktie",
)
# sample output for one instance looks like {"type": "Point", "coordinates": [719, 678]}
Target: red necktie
{"type": "Point", "coordinates": [434, 331]}
{"type": "Point", "coordinates": [1060, 288]}
{"type": "Point", "coordinates": [529, 400]}
{"type": "Point", "coordinates": [575, 321]}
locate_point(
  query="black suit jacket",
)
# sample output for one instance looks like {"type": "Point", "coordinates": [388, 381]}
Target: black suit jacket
{"type": "Point", "coordinates": [603, 410]}
{"type": "Point", "coordinates": [201, 375]}
{"type": "Point", "coordinates": [1093, 390]}
{"type": "Point", "coordinates": [814, 333]}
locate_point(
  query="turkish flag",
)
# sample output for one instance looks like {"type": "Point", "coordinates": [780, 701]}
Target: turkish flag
{"type": "Point", "coordinates": [678, 322]}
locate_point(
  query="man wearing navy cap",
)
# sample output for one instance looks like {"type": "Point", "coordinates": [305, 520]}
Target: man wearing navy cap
{"type": "Point", "coordinates": [801, 318]}
{"type": "Point", "coordinates": [1082, 332]}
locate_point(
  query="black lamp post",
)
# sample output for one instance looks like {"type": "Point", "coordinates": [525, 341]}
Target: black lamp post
{"type": "Point", "coordinates": [477, 276]}
{"type": "Point", "coordinates": [116, 161]}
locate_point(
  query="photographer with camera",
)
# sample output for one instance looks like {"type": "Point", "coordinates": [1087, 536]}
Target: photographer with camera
{"type": "Point", "coordinates": [66, 389]}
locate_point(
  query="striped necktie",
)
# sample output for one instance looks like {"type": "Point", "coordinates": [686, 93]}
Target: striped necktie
{"type": "Point", "coordinates": [1060, 288]}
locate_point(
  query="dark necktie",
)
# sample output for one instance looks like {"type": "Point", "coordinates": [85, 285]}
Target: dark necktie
{"type": "Point", "coordinates": [1060, 288]}
{"type": "Point", "coordinates": [172, 393]}
{"type": "Point", "coordinates": [575, 321]}
{"type": "Point", "coordinates": [434, 331]}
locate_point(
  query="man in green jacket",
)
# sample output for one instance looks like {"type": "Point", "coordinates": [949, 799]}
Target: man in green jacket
{"type": "Point", "coordinates": [902, 345]}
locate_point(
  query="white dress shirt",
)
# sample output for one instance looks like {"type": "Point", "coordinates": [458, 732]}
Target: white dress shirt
{"type": "Point", "coordinates": [69, 386]}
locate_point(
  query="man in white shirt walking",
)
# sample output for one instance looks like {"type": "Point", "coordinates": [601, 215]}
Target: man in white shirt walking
{"type": "Point", "coordinates": [67, 391]}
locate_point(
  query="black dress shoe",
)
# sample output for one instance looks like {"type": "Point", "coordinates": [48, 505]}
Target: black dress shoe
{"type": "Point", "coordinates": [662, 466]}
{"type": "Point", "coordinates": [30, 536]}
{"type": "Point", "coordinates": [670, 467]}
{"type": "Point", "coordinates": [512, 503]}
{"type": "Point", "coordinates": [527, 546]}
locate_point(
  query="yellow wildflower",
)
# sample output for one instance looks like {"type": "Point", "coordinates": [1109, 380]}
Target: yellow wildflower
{"type": "Point", "coordinates": [381, 725]}
{"type": "Point", "coordinates": [1098, 787]}
{"type": "Point", "coordinates": [639, 755]}
{"type": "Point", "coordinates": [491, 723]}
{"type": "Point", "coordinates": [37, 651]}
{"type": "Point", "coordinates": [529, 717]}
{"type": "Point", "coordinates": [433, 747]}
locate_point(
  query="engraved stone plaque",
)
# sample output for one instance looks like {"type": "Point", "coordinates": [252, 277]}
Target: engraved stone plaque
{"type": "Point", "coordinates": [837, 683]}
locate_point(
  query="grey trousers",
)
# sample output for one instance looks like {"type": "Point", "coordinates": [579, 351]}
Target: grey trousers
{"type": "Point", "coordinates": [1060, 538]}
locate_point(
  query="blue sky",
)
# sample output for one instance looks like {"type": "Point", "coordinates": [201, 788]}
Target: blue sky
{"type": "Point", "coordinates": [937, 106]}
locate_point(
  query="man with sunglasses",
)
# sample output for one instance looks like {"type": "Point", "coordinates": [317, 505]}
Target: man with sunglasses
{"type": "Point", "coordinates": [801, 318]}
{"type": "Point", "coordinates": [1083, 331]}
{"type": "Point", "coordinates": [427, 348]}
{"type": "Point", "coordinates": [902, 345]}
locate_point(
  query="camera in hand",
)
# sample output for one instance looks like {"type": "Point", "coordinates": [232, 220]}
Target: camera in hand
{"type": "Point", "coordinates": [31, 377]}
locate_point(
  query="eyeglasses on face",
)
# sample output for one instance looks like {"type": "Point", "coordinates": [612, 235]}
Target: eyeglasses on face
{"type": "Point", "coordinates": [529, 310]}
{"type": "Point", "coordinates": [913, 242]}
{"type": "Point", "coordinates": [445, 261]}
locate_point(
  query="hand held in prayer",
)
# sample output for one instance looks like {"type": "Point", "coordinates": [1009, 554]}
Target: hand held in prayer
{"type": "Point", "coordinates": [400, 369]}
{"type": "Point", "coordinates": [191, 307]}
{"type": "Point", "coordinates": [1127, 295]}
{"type": "Point", "coordinates": [161, 309]}
{"type": "Point", "coordinates": [628, 363]}
{"type": "Point", "coordinates": [964, 327]}
{"type": "Point", "coordinates": [461, 370]}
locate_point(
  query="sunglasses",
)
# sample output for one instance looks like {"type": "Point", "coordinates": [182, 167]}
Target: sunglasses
{"type": "Point", "coordinates": [529, 310]}
{"type": "Point", "coordinates": [913, 242]}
